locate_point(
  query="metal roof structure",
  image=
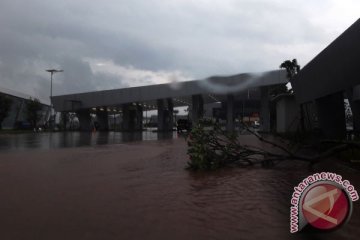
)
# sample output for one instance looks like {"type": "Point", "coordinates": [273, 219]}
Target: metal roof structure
{"type": "Point", "coordinates": [213, 89]}
{"type": "Point", "coordinates": [17, 94]}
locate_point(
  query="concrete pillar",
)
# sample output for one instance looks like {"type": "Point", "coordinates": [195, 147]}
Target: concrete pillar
{"type": "Point", "coordinates": [165, 114]}
{"type": "Point", "coordinates": [84, 119]}
{"type": "Point", "coordinates": [230, 112]}
{"type": "Point", "coordinates": [161, 114]}
{"type": "Point", "coordinates": [197, 110]}
{"type": "Point", "coordinates": [170, 116]}
{"type": "Point", "coordinates": [265, 110]}
{"type": "Point", "coordinates": [128, 117]}
{"type": "Point", "coordinates": [103, 120]}
{"type": "Point", "coordinates": [331, 114]}
{"type": "Point", "coordinates": [138, 118]}
{"type": "Point", "coordinates": [64, 119]}
{"type": "Point", "coordinates": [287, 114]}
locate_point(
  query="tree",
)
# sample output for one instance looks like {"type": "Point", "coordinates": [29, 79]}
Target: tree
{"type": "Point", "coordinates": [292, 68]}
{"type": "Point", "coordinates": [217, 148]}
{"type": "Point", "coordinates": [5, 105]}
{"type": "Point", "coordinates": [33, 108]}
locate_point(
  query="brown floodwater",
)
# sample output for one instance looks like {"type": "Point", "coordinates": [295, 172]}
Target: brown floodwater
{"type": "Point", "coordinates": [142, 191]}
{"type": "Point", "coordinates": [55, 140]}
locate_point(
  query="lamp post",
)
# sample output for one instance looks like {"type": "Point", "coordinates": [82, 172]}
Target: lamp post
{"type": "Point", "coordinates": [52, 72]}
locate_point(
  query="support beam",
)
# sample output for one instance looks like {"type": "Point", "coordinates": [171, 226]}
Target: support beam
{"type": "Point", "coordinates": [170, 117]}
{"type": "Point", "coordinates": [331, 114]}
{"type": "Point", "coordinates": [64, 120]}
{"type": "Point", "coordinates": [165, 114]}
{"type": "Point", "coordinates": [161, 114]}
{"type": "Point", "coordinates": [84, 120]}
{"type": "Point", "coordinates": [230, 113]}
{"type": "Point", "coordinates": [265, 110]}
{"type": "Point", "coordinates": [128, 117]}
{"type": "Point", "coordinates": [103, 120]}
{"type": "Point", "coordinates": [197, 110]}
{"type": "Point", "coordinates": [138, 118]}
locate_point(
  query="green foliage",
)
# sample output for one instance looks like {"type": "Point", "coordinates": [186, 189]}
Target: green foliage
{"type": "Point", "coordinates": [213, 149]}
{"type": "Point", "coordinates": [292, 68]}
{"type": "Point", "coordinates": [33, 111]}
{"type": "Point", "coordinates": [5, 106]}
{"type": "Point", "coordinates": [200, 156]}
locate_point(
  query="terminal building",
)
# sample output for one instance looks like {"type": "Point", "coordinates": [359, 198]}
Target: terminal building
{"type": "Point", "coordinates": [323, 84]}
{"type": "Point", "coordinates": [317, 103]}
{"type": "Point", "coordinates": [238, 96]}
{"type": "Point", "coordinates": [17, 116]}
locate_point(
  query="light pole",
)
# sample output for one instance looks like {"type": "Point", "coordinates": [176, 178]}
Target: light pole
{"type": "Point", "coordinates": [52, 72]}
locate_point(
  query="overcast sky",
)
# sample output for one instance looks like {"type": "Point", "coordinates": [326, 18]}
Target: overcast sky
{"type": "Point", "coordinates": [116, 43]}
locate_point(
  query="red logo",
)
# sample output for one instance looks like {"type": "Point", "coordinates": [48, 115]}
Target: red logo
{"type": "Point", "coordinates": [325, 206]}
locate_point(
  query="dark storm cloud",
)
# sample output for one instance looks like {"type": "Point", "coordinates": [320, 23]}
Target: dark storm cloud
{"type": "Point", "coordinates": [140, 42]}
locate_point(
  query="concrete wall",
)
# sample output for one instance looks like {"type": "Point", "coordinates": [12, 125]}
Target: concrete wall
{"type": "Point", "coordinates": [287, 115]}
{"type": "Point", "coordinates": [331, 114]}
{"type": "Point", "coordinates": [265, 110]}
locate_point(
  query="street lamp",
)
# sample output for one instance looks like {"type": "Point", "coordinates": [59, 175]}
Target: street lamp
{"type": "Point", "coordinates": [52, 72]}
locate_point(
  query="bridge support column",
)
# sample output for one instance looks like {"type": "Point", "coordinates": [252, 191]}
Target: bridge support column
{"type": "Point", "coordinates": [165, 114]}
{"type": "Point", "coordinates": [331, 114]}
{"type": "Point", "coordinates": [64, 120]}
{"type": "Point", "coordinates": [170, 117]}
{"type": "Point", "coordinates": [230, 112]}
{"type": "Point", "coordinates": [103, 120]}
{"type": "Point", "coordinates": [132, 117]}
{"type": "Point", "coordinates": [138, 118]}
{"type": "Point", "coordinates": [197, 110]}
{"type": "Point", "coordinates": [125, 123]}
{"type": "Point", "coordinates": [84, 120]}
{"type": "Point", "coordinates": [265, 110]}
{"type": "Point", "coordinates": [161, 114]}
{"type": "Point", "coordinates": [128, 123]}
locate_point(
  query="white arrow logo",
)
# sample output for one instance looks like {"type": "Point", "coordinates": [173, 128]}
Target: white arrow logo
{"type": "Point", "coordinates": [330, 195]}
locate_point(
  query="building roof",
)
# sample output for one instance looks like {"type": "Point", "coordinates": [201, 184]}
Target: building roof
{"type": "Point", "coordinates": [17, 94]}
{"type": "Point", "coordinates": [213, 89]}
{"type": "Point", "coordinates": [334, 69]}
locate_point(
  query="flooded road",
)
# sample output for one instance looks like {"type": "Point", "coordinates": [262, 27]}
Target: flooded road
{"type": "Point", "coordinates": [141, 190]}
{"type": "Point", "coordinates": [54, 140]}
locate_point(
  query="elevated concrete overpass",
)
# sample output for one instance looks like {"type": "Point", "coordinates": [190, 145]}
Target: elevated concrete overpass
{"type": "Point", "coordinates": [130, 102]}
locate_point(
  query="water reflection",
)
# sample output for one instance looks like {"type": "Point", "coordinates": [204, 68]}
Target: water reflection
{"type": "Point", "coordinates": [142, 191]}
{"type": "Point", "coordinates": [51, 140]}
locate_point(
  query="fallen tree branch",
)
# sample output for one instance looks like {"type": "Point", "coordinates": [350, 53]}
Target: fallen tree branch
{"type": "Point", "coordinates": [217, 148]}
